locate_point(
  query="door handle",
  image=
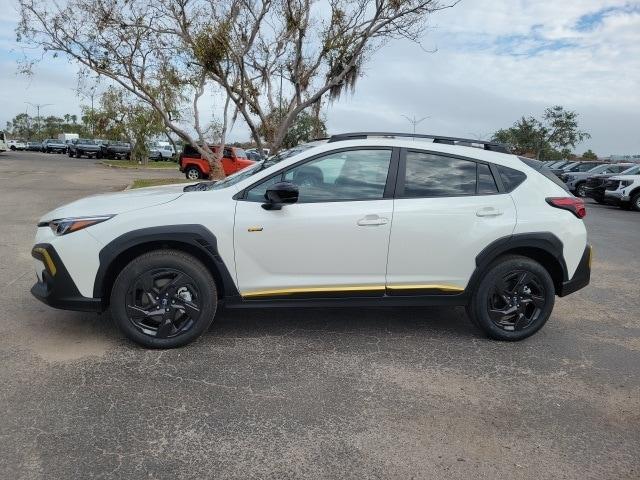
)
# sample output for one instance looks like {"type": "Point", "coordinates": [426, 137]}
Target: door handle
{"type": "Point", "coordinates": [372, 221]}
{"type": "Point", "coordinates": [488, 212]}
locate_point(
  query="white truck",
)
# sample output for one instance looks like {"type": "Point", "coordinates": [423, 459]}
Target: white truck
{"type": "Point", "coordinates": [68, 136]}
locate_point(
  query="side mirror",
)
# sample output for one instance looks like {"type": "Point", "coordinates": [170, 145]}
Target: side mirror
{"type": "Point", "coordinates": [280, 194]}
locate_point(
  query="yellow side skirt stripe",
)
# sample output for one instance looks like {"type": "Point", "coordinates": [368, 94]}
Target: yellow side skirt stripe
{"type": "Point", "coordinates": [334, 289]}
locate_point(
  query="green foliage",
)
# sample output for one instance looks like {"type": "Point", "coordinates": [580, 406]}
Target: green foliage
{"type": "Point", "coordinates": [589, 155]}
{"type": "Point", "coordinates": [27, 127]}
{"type": "Point", "coordinates": [305, 128]}
{"type": "Point", "coordinates": [548, 138]}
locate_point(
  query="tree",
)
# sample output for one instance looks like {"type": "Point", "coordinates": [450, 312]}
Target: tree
{"type": "Point", "coordinates": [25, 126]}
{"type": "Point", "coordinates": [265, 55]}
{"type": "Point", "coordinates": [122, 116]}
{"type": "Point", "coordinates": [547, 138]}
{"type": "Point", "coordinates": [589, 155]}
{"type": "Point", "coordinates": [306, 127]}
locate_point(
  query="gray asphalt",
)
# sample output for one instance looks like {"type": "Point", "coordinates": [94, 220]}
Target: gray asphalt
{"type": "Point", "coordinates": [387, 393]}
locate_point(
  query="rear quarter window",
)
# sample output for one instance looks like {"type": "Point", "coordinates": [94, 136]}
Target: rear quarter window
{"type": "Point", "coordinates": [511, 177]}
{"type": "Point", "coordinates": [543, 169]}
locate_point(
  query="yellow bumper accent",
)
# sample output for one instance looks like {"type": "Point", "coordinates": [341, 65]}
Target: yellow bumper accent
{"type": "Point", "coordinates": [47, 260]}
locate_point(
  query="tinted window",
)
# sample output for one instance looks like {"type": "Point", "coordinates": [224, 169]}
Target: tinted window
{"type": "Point", "coordinates": [512, 178]}
{"type": "Point", "coordinates": [342, 176]}
{"type": "Point", "coordinates": [429, 175]}
{"type": "Point", "coordinates": [256, 194]}
{"type": "Point", "coordinates": [486, 182]}
{"type": "Point", "coordinates": [241, 153]}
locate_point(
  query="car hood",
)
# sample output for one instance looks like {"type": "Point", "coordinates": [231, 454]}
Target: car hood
{"type": "Point", "coordinates": [114, 203]}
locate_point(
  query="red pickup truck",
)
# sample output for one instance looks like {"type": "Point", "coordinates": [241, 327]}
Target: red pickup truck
{"type": "Point", "coordinates": [194, 166]}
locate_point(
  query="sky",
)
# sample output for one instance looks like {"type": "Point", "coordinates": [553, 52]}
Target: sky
{"type": "Point", "coordinates": [480, 66]}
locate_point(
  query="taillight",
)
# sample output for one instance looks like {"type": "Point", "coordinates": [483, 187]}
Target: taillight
{"type": "Point", "coordinates": [573, 204]}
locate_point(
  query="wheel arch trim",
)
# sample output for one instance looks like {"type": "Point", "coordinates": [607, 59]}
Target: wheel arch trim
{"type": "Point", "coordinates": [543, 247]}
{"type": "Point", "coordinates": [191, 238]}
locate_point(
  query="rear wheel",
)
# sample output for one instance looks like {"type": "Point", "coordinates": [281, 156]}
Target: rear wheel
{"type": "Point", "coordinates": [164, 299]}
{"type": "Point", "coordinates": [635, 202]}
{"type": "Point", "coordinates": [193, 173]}
{"type": "Point", "coordinates": [513, 300]}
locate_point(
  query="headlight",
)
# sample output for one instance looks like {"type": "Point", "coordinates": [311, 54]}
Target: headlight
{"type": "Point", "coordinates": [570, 178]}
{"type": "Point", "coordinates": [62, 226]}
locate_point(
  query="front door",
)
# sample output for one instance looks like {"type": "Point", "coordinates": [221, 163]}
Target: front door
{"type": "Point", "coordinates": [333, 241]}
{"type": "Point", "coordinates": [446, 211]}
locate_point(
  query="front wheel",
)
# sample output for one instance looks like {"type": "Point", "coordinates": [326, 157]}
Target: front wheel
{"type": "Point", "coordinates": [193, 173]}
{"type": "Point", "coordinates": [581, 190]}
{"type": "Point", "coordinates": [164, 299]}
{"type": "Point", "coordinates": [12, 148]}
{"type": "Point", "coordinates": [635, 202]}
{"type": "Point", "coordinates": [513, 300]}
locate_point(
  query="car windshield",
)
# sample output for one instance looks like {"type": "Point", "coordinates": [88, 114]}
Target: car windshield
{"type": "Point", "coordinates": [236, 177]}
{"type": "Point", "coordinates": [598, 169]}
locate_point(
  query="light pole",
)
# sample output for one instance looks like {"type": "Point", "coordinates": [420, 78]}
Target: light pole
{"type": "Point", "coordinates": [38, 107]}
{"type": "Point", "coordinates": [415, 121]}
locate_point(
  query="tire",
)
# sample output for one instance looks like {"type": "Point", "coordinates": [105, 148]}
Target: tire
{"type": "Point", "coordinates": [70, 153]}
{"type": "Point", "coordinates": [189, 303]}
{"type": "Point", "coordinates": [13, 148]}
{"type": "Point", "coordinates": [507, 308]}
{"type": "Point", "coordinates": [599, 200]}
{"type": "Point", "coordinates": [580, 190]}
{"type": "Point", "coordinates": [193, 173]}
{"type": "Point", "coordinates": [78, 154]}
{"type": "Point", "coordinates": [635, 202]}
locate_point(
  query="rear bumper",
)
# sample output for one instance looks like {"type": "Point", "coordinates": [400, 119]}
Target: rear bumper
{"type": "Point", "coordinates": [57, 288]}
{"type": "Point", "coordinates": [581, 277]}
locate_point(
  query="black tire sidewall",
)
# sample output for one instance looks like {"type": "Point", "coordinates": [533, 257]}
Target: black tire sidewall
{"type": "Point", "coordinates": [480, 299]}
{"type": "Point", "coordinates": [635, 200]}
{"type": "Point", "coordinates": [164, 259]}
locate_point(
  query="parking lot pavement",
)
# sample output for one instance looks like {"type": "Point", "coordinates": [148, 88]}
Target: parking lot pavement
{"type": "Point", "coordinates": [337, 393]}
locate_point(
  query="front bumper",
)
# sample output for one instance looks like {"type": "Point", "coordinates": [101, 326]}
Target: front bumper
{"type": "Point", "coordinates": [581, 277]}
{"type": "Point", "coordinates": [55, 287]}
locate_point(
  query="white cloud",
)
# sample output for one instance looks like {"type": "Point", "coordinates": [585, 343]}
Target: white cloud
{"type": "Point", "coordinates": [496, 60]}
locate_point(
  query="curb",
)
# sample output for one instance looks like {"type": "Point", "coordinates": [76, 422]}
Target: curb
{"type": "Point", "coordinates": [138, 167]}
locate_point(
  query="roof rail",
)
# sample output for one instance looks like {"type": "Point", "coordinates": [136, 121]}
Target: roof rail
{"type": "Point", "coordinates": [469, 142]}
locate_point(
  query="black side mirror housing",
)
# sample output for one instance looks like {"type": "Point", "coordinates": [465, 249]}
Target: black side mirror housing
{"type": "Point", "coordinates": [280, 194]}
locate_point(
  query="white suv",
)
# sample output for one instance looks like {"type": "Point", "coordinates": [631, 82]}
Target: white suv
{"type": "Point", "coordinates": [361, 220]}
{"type": "Point", "coordinates": [625, 190]}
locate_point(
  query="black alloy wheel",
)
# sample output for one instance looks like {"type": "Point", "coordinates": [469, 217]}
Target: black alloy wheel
{"type": "Point", "coordinates": [163, 303]}
{"type": "Point", "coordinates": [581, 190]}
{"type": "Point", "coordinates": [164, 299]}
{"type": "Point", "coordinates": [513, 298]}
{"type": "Point", "coordinates": [516, 300]}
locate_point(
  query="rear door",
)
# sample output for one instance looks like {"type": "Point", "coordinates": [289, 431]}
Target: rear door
{"type": "Point", "coordinates": [447, 209]}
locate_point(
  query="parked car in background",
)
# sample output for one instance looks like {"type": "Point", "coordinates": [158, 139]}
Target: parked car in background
{"type": "Point", "coordinates": [85, 147]}
{"type": "Point", "coordinates": [576, 167]}
{"type": "Point", "coordinates": [115, 150]}
{"type": "Point", "coordinates": [254, 155]}
{"type": "Point", "coordinates": [576, 181]}
{"type": "Point", "coordinates": [624, 190]}
{"type": "Point", "coordinates": [54, 145]}
{"type": "Point", "coordinates": [34, 146]}
{"type": "Point", "coordinates": [596, 185]}
{"type": "Point", "coordinates": [159, 152]}
{"type": "Point", "coordinates": [16, 145]}
{"type": "Point", "coordinates": [194, 166]}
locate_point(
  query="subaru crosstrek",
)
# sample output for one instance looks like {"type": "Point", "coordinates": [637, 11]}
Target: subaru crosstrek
{"type": "Point", "coordinates": [361, 220]}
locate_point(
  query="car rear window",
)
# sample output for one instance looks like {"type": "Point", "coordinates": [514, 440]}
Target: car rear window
{"type": "Point", "coordinates": [511, 177]}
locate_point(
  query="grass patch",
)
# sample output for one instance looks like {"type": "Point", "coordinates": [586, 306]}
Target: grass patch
{"type": "Point", "coordinates": [150, 165]}
{"type": "Point", "coordinates": [154, 182]}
